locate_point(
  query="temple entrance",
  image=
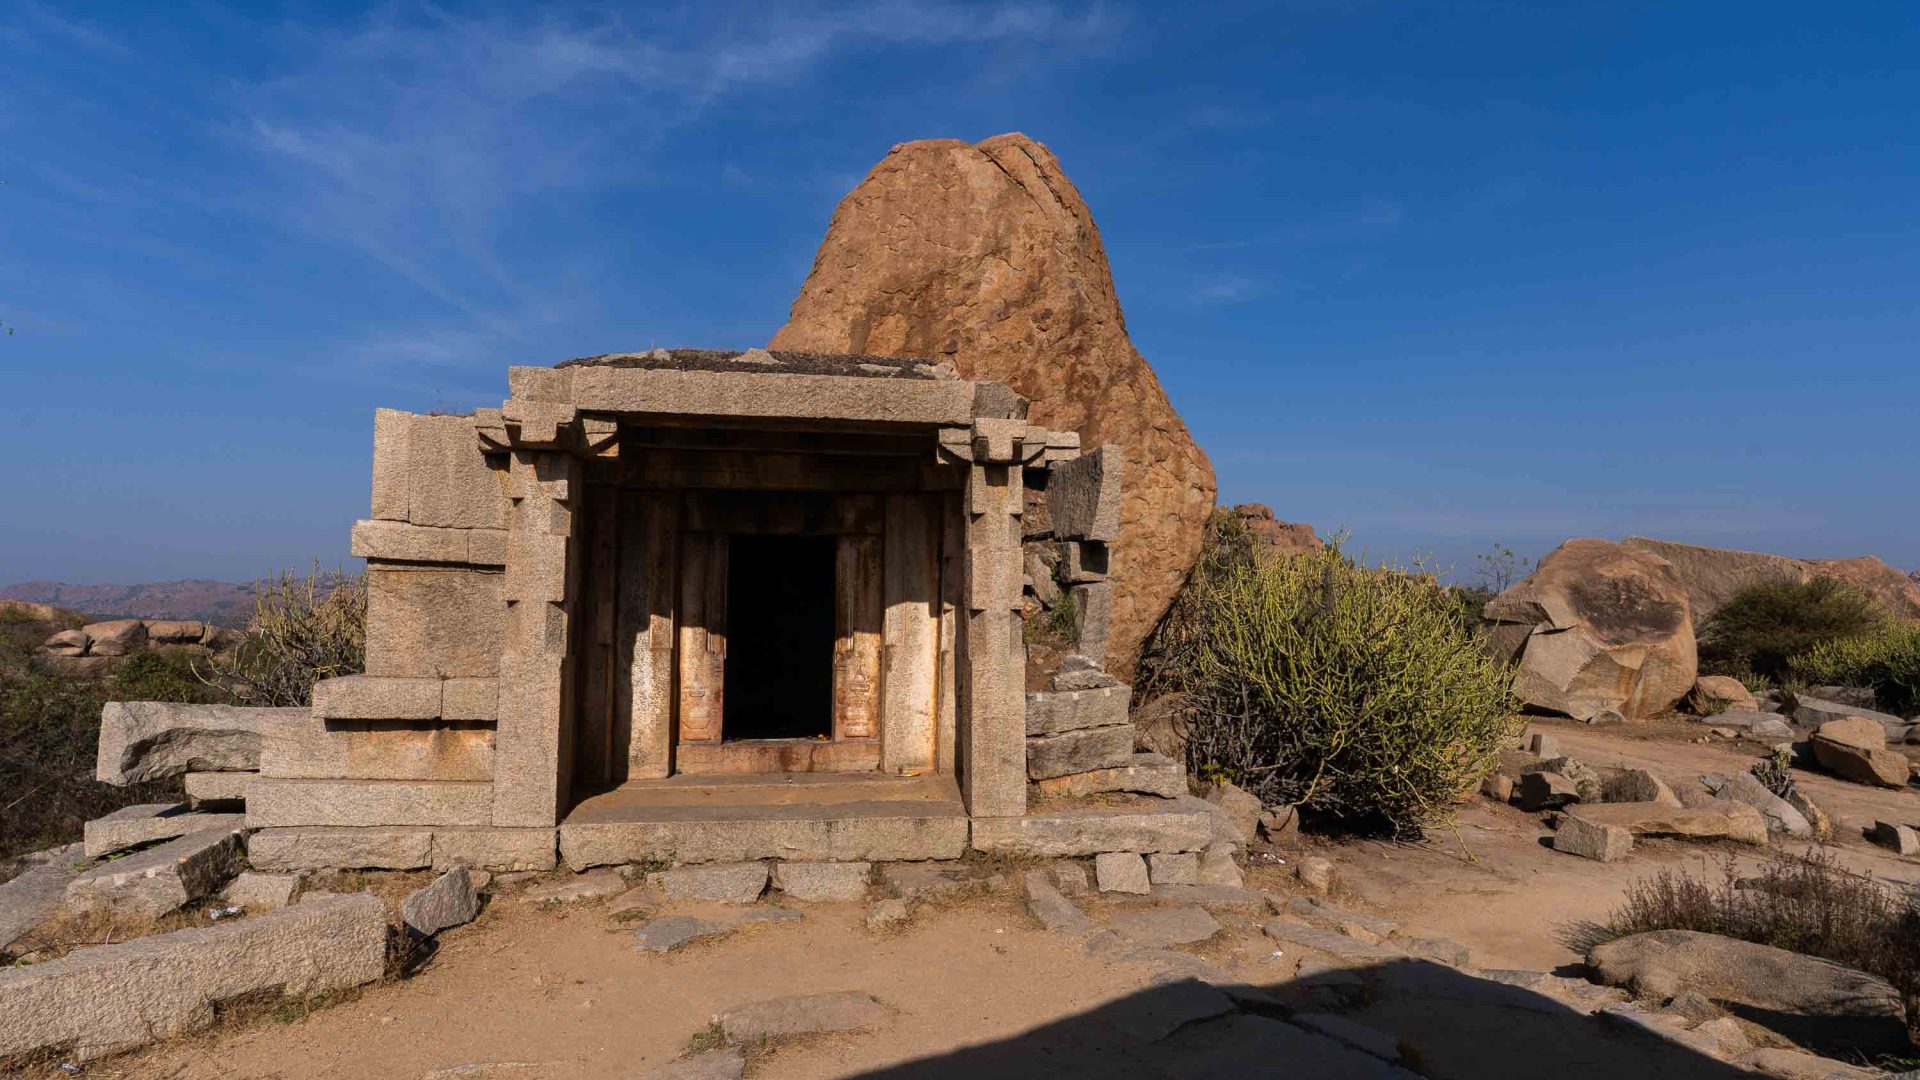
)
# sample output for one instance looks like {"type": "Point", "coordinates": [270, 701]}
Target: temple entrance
{"type": "Point", "coordinates": [780, 634]}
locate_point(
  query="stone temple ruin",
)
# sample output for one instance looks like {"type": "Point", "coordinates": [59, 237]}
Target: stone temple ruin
{"type": "Point", "coordinates": [699, 606]}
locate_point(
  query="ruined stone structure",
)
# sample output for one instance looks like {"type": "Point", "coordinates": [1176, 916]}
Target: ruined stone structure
{"type": "Point", "coordinates": [700, 606]}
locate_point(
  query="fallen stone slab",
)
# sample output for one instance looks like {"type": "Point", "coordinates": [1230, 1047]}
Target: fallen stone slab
{"type": "Point", "coordinates": [1816, 712]}
{"type": "Point", "coordinates": [1143, 773]}
{"type": "Point", "coordinates": [258, 891]}
{"type": "Point", "coordinates": [1218, 867]}
{"type": "Point", "coordinates": [1639, 785]}
{"type": "Point", "coordinates": [802, 1014]}
{"type": "Point", "coordinates": [1440, 950]}
{"type": "Point", "coordinates": [917, 882]}
{"type": "Point", "coordinates": [1049, 907]}
{"type": "Point", "coordinates": [1745, 788]}
{"type": "Point", "coordinates": [725, 883]}
{"type": "Point", "coordinates": [1330, 942]}
{"type": "Point", "coordinates": [1855, 749]}
{"type": "Point", "coordinates": [1160, 927]}
{"type": "Point", "coordinates": [160, 879]}
{"type": "Point", "coordinates": [448, 902]}
{"type": "Point", "coordinates": [1592, 840]}
{"type": "Point", "coordinates": [1079, 751]}
{"type": "Point", "coordinates": [111, 998]}
{"type": "Point", "coordinates": [1315, 873]}
{"type": "Point", "coordinates": [1121, 872]}
{"type": "Point", "coordinates": [1546, 791]}
{"type": "Point", "coordinates": [144, 823]}
{"type": "Point", "coordinates": [1212, 896]}
{"type": "Point", "coordinates": [35, 894]}
{"type": "Point", "coordinates": [1056, 711]}
{"type": "Point", "coordinates": [592, 885]}
{"type": "Point", "coordinates": [1723, 819]}
{"type": "Point", "coordinates": [823, 881]}
{"type": "Point", "coordinates": [673, 931]}
{"type": "Point", "coordinates": [156, 740]}
{"type": "Point", "coordinates": [1810, 1001]}
{"type": "Point", "coordinates": [727, 1064]}
{"type": "Point", "coordinates": [1327, 915]}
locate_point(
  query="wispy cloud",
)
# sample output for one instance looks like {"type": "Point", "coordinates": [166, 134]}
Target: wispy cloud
{"type": "Point", "coordinates": [1226, 289]}
{"type": "Point", "coordinates": [420, 136]}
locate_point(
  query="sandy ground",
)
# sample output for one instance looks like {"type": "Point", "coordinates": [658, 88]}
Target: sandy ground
{"type": "Point", "coordinates": [562, 992]}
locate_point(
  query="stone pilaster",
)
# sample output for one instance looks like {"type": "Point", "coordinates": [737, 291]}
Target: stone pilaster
{"type": "Point", "coordinates": [531, 763]}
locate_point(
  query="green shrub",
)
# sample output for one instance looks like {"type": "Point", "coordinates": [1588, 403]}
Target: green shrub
{"type": "Point", "coordinates": [1762, 629]}
{"type": "Point", "coordinates": [1887, 661]}
{"type": "Point", "coordinates": [1356, 694]}
{"type": "Point", "coordinates": [304, 629]}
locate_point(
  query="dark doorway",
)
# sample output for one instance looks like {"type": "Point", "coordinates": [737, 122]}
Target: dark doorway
{"type": "Point", "coordinates": [780, 626]}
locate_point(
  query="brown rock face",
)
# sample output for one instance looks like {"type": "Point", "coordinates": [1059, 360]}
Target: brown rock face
{"type": "Point", "coordinates": [985, 255]}
{"type": "Point", "coordinates": [1712, 576]}
{"type": "Point", "coordinates": [1278, 539]}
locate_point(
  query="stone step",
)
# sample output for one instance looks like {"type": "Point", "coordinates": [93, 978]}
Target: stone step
{"type": "Point", "coordinates": [1144, 774]}
{"type": "Point", "coordinates": [1147, 825]}
{"type": "Point", "coordinates": [161, 879]}
{"type": "Point", "coordinates": [143, 823]}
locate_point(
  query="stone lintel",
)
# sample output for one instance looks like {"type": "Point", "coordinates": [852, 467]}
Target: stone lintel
{"type": "Point", "coordinates": [772, 396]}
{"type": "Point", "coordinates": [397, 541]}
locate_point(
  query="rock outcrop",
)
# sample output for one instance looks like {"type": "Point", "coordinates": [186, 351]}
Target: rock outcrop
{"type": "Point", "coordinates": [1276, 539]}
{"type": "Point", "coordinates": [1598, 627]}
{"type": "Point", "coordinates": [985, 255]}
{"type": "Point", "coordinates": [1712, 576]}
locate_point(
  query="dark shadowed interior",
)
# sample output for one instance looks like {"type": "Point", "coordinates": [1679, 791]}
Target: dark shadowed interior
{"type": "Point", "coordinates": [779, 637]}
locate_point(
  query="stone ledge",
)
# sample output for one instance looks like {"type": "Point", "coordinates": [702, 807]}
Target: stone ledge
{"type": "Point", "coordinates": [398, 541]}
{"type": "Point", "coordinates": [405, 697]}
{"type": "Point", "coordinates": [1051, 712]}
{"type": "Point", "coordinates": [112, 998]}
{"type": "Point", "coordinates": [782, 396]}
{"type": "Point", "coordinates": [340, 849]}
{"type": "Point", "coordinates": [1093, 831]}
{"type": "Point", "coordinates": [823, 839]}
{"type": "Point", "coordinates": [275, 802]}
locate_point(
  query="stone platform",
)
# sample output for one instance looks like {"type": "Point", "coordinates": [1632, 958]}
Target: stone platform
{"type": "Point", "coordinates": [799, 816]}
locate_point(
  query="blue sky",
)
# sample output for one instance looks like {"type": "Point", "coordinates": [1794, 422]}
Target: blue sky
{"type": "Point", "coordinates": [1440, 274]}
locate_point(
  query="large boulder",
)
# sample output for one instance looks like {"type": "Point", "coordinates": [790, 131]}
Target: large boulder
{"type": "Point", "coordinates": [1712, 576]}
{"type": "Point", "coordinates": [1275, 539]}
{"type": "Point", "coordinates": [1811, 1001]}
{"type": "Point", "coordinates": [985, 255]}
{"type": "Point", "coordinates": [1855, 748]}
{"type": "Point", "coordinates": [1598, 627]}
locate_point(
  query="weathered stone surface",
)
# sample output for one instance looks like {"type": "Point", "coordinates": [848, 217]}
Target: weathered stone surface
{"type": "Point", "coordinates": [1497, 786]}
{"type": "Point", "coordinates": [1451, 953]}
{"type": "Point", "coordinates": [1368, 1040]}
{"type": "Point", "coordinates": [1212, 896]}
{"type": "Point", "coordinates": [1639, 785]}
{"type": "Point", "coordinates": [369, 697]}
{"type": "Point", "coordinates": [1780, 814]}
{"type": "Point", "coordinates": [161, 879]}
{"type": "Point", "coordinates": [1327, 915]}
{"type": "Point", "coordinates": [112, 998]}
{"type": "Point", "coordinates": [118, 637]}
{"type": "Point", "coordinates": [1784, 1064]}
{"type": "Point", "coordinates": [495, 849]}
{"type": "Point", "coordinates": [1814, 1002]}
{"type": "Point", "coordinates": [1755, 724]}
{"type": "Point", "coordinates": [1546, 791]}
{"type": "Point", "coordinates": [727, 1064]}
{"type": "Point", "coordinates": [1897, 838]}
{"type": "Point", "coordinates": [1182, 868]}
{"type": "Point", "coordinates": [1240, 808]}
{"type": "Point", "coordinates": [1144, 774]}
{"type": "Point", "coordinates": [258, 891]}
{"type": "Point", "coordinates": [823, 881]}
{"type": "Point", "coordinates": [889, 912]}
{"type": "Point", "coordinates": [380, 750]}
{"type": "Point", "coordinates": [1050, 712]}
{"type": "Point", "coordinates": [1612, 630]}
{"type": "Point", "coordinates": [1712, 576]}
{"type": "Point", "coordinates": [1094, 830]}
{"type": "Point", "coordinates": [1093, 619]}
{"type": "Point", "coordinates": [1724, 818]}
{"type": "Point", "coordinates": [807, 835]}
{"type": "Point", "coordinates": [801, 1014]}
{"type": "Point", "coordinates": [1854, 748]}
{"type": "Point", "coordinates": [918, 881]}
{"type": "Point", "coordinates": [155, 740]}
{"type": "Point", "coordinates": [30, 898]}
{"type": "Point", "coordinates": [429, 622]}
{"type": "Point", "coordinates": [67, 643]}
{"type": "Point", "coordinates": [1080, 751]}
{"type": "Point", "coordinates": [1330, 942]}
{"type": "Point", "coordinates": [1315, 873]}
{"type": "Point", "coordinates": [1051, 909]}
{"type": "Point", "coordinates": [1713, 693]}
{"type": "Point", "coordinates": [131, 826]}
{"type": "Point", "coordinates": [945, 250]}
{"type": "Point", "coordinates": [342, 849]}
{"type": "Point", "coordinates": [1161, 927]}
{"type": "Point", "coordinates": [592, 885]}
{"type": "Point", "coordinates": [1217, 866]}
{"type": "Point", "coordinates": [274, 802]}
{"type": "Point", "coordinates": [448, 902]}
{"type": "Point", "coordinates": [1593, 840]}
{"type": "Point", "coordinates": [1083, 495]}
{"type": "Point", "coordinates": [1121, 871]}
{"type": "Point", "coordinates": [727, 883]}
{"type": "Point", "coordinates": [448, 483]}
{"type": "Point", "coordinates": [216, 787]}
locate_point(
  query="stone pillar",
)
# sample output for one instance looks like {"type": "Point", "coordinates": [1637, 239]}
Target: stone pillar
{"type": "Point", "coordinates": [993, 749]}
{"type": "Point", "coordinates": [531, 749]}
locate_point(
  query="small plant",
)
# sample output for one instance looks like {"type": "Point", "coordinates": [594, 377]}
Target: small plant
{"type": "Point", "coordinates": [304, 630]}
{"type": "Point", "coordinates": [1352, 692]}
{"type": "Point", "coordinates": [1888, 661]}
{"type": "Point", "coordinates": [1761, 630]}
{"type": "Point", "coordinates": [707, 1039]}
{"type": "Point", "coordinates": [1499, 569]}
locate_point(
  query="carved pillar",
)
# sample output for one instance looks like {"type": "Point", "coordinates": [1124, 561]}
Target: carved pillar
{"type": "Point", "coordinates": [993, 748]}
{"type": "Point", "coordinates": [531, 765]}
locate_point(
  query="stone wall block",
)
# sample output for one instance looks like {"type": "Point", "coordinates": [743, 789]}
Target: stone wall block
{"type": "Point", "coordinates": [449, 483]}
{"type": "Point", "coordinates": [1083, 496]}
{"type": "Point", "coordinates": [434, 622]}
{"type": "Point", "coordinates": [373, 697]}
{"type": "Point", "coordinates": [273, 802]}
{"type": "Point", "coordinates": [328, 848]}
{"type": "Point", "coordinates": [391, 435]}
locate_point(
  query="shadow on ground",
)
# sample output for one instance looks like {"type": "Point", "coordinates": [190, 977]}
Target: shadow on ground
{"type": "Point", "coordinates": [1443, 1023]}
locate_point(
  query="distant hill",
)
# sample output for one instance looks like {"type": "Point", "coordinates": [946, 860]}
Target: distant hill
{"type": "Point", "coordinates": [220, 602]}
